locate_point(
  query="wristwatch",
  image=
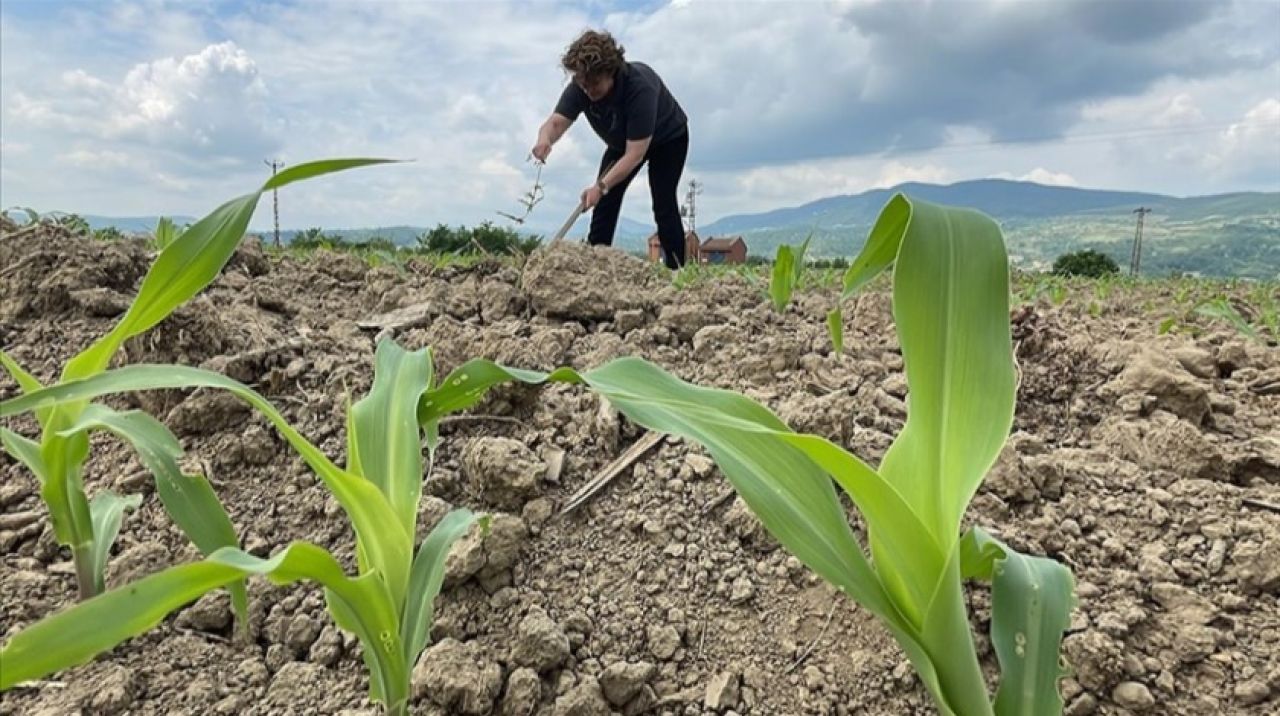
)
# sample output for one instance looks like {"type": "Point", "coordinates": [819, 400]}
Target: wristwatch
{"type": "Point", "coordinates": [604, 188]}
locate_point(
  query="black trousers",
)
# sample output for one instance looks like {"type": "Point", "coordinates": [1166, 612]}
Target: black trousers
{"type": "Point", "coordinates": [666, 164]}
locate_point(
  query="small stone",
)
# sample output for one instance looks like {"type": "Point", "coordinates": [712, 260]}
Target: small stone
{"type": "Point", "coordinates": [741, 591]}
{"type": "Point", "coordinates": [699, 465]}
{"type": "Point", "coordinates": [537, 512]}
{"type": "Point", "coordinates": [1251, 692]}
{"type": "Point", "coordinates": [457, 677]}
{"type": "Point", "coordinates": [113, 692]}
{"type": "Point", "coordinates": [722, 691]}
{"type": "Point", "coordinates": [1133, 695]}
{"type": "Point", "coordinates": [663, 641]}
{"type": "Point", "coordinates": [327, 649]}
{"type": "Point", "coordinates": [585, 699]}
{"type": "Point", "coordinates": [643, 701]}
{"type": "Point", "coordinates": [211, 613]}
{"type": "Point", "coordinates": [277, 656]}
{"type": "Point", "coordinates": [621, 682]}
{"type": "Point", "coordinates": [506, 470]}
{"type": "Point", "coordinates": [540, 643]}
{"type": "Point", "coordinates": [301, 633]}
{"type": "Point", "coordinates": [524, 691]}
{"type": "Point", "coordinates": [813, 677]}
{"type": "Point", "coordinates": [297, 682]}
{"type": "Point", "coordinates": [1084, 705]}
{"type": "Point", "coordinates": [253, 672]}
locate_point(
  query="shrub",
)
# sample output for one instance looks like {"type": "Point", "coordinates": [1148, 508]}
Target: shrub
{"type": "Point", "coordinates": [1088, 262]}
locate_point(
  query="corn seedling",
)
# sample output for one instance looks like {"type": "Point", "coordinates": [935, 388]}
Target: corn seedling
{"type": "Point", "coordinates": [835, 329]}
{"type": "Point", "coordinates": [788, 270]}
{"type": "Point", "coordinates": [88, 527]}
{"type": "Point", "coordinates": [388, 605]}
{"type": "Point", "coordinates": [1220, 308]}
{"type": "Point", "coordinates": [950, 302]}
{"type": "Point", "coordinates": [166, 233]}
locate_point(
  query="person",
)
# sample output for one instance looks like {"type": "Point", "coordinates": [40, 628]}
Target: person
{"type": "Point", "coordinates": [633, 112]}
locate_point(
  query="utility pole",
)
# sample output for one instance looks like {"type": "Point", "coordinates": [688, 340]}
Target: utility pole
{"type": "Point", "coordinates": [689, 209]}
{"type": "Point", "coordinates": [1135, 260]}
{"type": "Point", "coordinates": [275, 197]}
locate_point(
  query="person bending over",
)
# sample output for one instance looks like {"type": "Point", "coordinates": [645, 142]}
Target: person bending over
{"type": "Point", "coordinates": [639, 121]}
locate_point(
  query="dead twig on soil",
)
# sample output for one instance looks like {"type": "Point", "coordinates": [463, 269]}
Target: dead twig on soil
{"type": "Point", "coordinates": [814, 644]}
{"type": "Point", "coordinates": [715, 503]}
{"type": "Point", "coordinates": [1260, 504]}
{"type": "Point", "coordinates": [612, 470]}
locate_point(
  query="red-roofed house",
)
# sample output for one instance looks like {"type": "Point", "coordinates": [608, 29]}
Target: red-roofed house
{"type": "Point", "coordinates": [692, 246]}
{"type": "Point", "coordinates": [724, 250]}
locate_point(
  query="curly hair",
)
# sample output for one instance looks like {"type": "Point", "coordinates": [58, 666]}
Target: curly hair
{"type": "Point", "coordinates": [594, 54]}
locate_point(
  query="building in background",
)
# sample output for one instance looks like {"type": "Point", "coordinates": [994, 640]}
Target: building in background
{"type": "Point", "coordinates": [719, 250]}
{"type": "Point", "coordinates": [692, 248]}
{"type": "Point", "coordinates": [724, 250]}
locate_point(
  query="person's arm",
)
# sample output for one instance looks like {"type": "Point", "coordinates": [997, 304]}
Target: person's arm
{"type": "Point", "coordinates": [550, 132]}
{"type": "Point", "coordinates": [642, 114]}
{"type": "Point", "coordinates": [568, 107]}
{"type": "Point", "coordinates": [630, 159]}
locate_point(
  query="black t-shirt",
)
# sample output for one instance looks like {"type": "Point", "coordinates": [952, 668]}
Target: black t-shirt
{"type": "Point", "coordinates": [638, 106]}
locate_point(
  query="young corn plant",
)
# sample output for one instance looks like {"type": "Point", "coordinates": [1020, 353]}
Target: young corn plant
{"type": "Point", "coordinates": [388, 604]}
{"type": "Point", "coordinates": [88, 527]}
{"type": "Point", "coordinates": [788, 270]}
{"type": "Point", "coordinates": [166, 232]}
{"type": "Point", "coordinates": [950, 304]}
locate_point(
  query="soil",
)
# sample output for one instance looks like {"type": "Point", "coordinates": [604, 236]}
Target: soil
{"type": "Point", "coordinates": [1140, 461]}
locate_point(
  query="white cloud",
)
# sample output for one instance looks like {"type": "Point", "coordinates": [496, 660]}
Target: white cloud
{"type": "Point", "coordinates": [87, 158]}
{"type": "Point", "coordinates": [1181, 110]}
{"type": "Point", "coordinates": [1251, 147]}
{"type": "Point", "coordinates": [206, 106]}
{"type": "Point", "coordinates": [1040, 175]}
{"type": "Point", "coordinates": [895, 173]}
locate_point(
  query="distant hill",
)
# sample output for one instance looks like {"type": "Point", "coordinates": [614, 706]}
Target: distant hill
{"type": "Point", "coordinates": [1221, 235]}
{"type": "Point", "coordinates": [999, 198]}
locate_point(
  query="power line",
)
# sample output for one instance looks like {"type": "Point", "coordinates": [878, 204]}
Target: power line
{"type": "Point", "coordinates": [275, 197]}
{"type": "Point", "coordinates": [1135, 258]}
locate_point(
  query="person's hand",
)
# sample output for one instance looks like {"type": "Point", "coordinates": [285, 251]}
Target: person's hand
{"type": "Point", "coordinates": [591, 196]}
{"type": "Point", "coordinates": [541, 150]}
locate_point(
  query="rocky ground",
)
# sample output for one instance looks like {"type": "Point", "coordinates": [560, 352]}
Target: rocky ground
{"type": "Point", "coordinates": [1145, 463]}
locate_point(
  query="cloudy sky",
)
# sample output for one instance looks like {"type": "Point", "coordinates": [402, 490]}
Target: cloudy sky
{"type": "Point", "coordinates": [146, 107]}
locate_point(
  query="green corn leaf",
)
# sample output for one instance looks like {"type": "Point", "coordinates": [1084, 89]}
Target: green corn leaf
{"type": "Point", "coordinates": [378, 530]}
{"type": "Point", "coordinates": [191, 262]}
{"type": "Point", "coordinates": [881, 248]}
{"type": "Point", "coordinates": [951, 306]}
{"type": "Point", "coordinates": [181, 271]}
{"type": "Point", "coordinates": [783, 279]}
{"type": "Point", "coordinates": [1031, 602]}
{"type": "Point", "coordinates": [310, 170]}
{"type": "Point", "coordinates": [106, 509]}
{"type": "Point", "coordinates": [386, 431]}
{"type": "Point", "coordinates": [75, 635]}
{"type": "Point", "coordinates": [425, 580]}
{"type": "Point", "coordinates": [189, 499]}
{"type": "Point", "coordinates": [26, 451]}
{"type": "Point", "coordinates": [1221, 308]}
{"type": "Point", "coordinates": [466, 385]}
{"type": "Point", "coordinates": [948, 644]}
{"type": "Point", "coordinates": [835, 328]}
{"type": "Point", "coordinates": [63, 487]}
{"type": "Point", "coordinates": [25, 381]}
